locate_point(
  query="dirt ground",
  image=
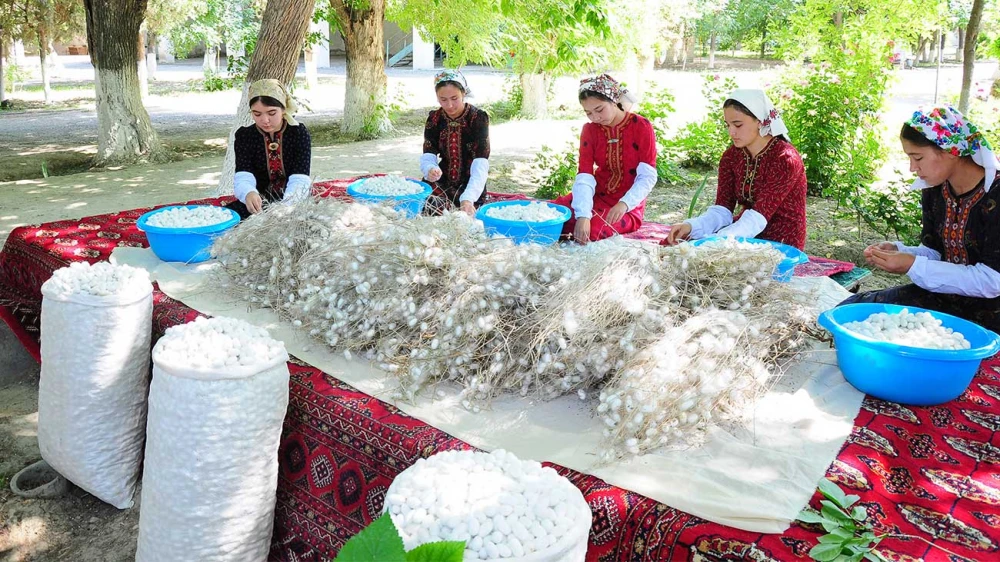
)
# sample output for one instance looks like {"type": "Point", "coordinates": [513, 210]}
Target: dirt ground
{"type": "Point", "coordinates": [77, 527]}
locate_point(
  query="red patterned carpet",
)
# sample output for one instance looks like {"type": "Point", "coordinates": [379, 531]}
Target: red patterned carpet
{"type": "Point", "coordinates": [930, 472]}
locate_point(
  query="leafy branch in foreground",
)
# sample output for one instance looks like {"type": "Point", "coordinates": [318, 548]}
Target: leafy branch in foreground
{"type": "Point", "coordinates": [849, 537]}
{"type": "Point", "coordinates": [380, 542]}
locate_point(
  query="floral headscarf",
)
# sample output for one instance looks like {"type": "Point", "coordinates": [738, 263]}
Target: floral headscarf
{"type": "Point", "coordinates": [274, 89]}
{"type": "Point", "coordinates": [952, 132]}
{"type": "Point", "coordinates": [760, 105]}
{"type": "Point", "coordinates": [453, 76]}
{"type": "Point", "coordinates": [608, 87]}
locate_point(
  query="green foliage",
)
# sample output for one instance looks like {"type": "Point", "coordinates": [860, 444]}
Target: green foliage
{"type": "Point", "coordinates": [891, 210]}
{"type": "Point", "coordinates": [832, 109]}
{"type": "Point", "coordinates": [380, 542]}
{"type": "Point", "coordinates": [383, 114]}
{"type": "Point", "coordinates": [849, 535]}
{"type": "Point", "coordinates": [559, 170]}
{"type": "Point", "coordinates": [658, 107]}
{"type": "Point", "coordinates": [507, 107]}
{"type": "Point", "coordinates": [693, 206]}
{"type": "Point", "coordinates": [701, 144]}
{"type": "Point", "coordinates": [14, 75]}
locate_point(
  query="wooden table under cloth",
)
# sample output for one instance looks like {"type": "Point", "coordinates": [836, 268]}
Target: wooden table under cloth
{"type": "Point", "coordinates": [933, 472]}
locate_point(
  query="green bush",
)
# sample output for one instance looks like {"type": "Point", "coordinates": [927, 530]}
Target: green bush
{"type": "Point", "coordinates": [14, 76]}
{"type": "Point", "coordinates": [215, 82]}
{"type": "Point", "coordinates": [559, 170]}
{"type": "Point", "coordinates": [893, 210]}
{"type": "Point", "coordinates": [700, 144]}
{"type": "Point", "coordinates": [831, 109]}
{"type": "Point", "coordinates": [509, 106]}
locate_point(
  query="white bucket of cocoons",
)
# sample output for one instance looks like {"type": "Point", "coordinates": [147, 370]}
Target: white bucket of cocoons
{"type": "Point", "coordinates": [216, 407]}
{"type": "Point", "coordinates": [96, 326]}
{"type": "Point", "coordinates": [502, 507]}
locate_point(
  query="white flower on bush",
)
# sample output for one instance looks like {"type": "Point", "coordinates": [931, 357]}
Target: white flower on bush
{"type": "Point", "coordinates": [906, 328]}
{"type": "Point", "coordinates": [532, 212]}
{"type": "Point", "coordinates": [100, 280]}
{"type": "Point", "coordinates": [389, 185]}
{"type": "Point", "coordinates": [190, 217]}
{"type": "Point", "coordinates": [501, 506]}
{"type": "Point", "coordinates": [215, 343]}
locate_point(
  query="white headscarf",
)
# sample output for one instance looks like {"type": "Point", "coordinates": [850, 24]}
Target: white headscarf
{"type": "Point", "coordinates": [760, 105]}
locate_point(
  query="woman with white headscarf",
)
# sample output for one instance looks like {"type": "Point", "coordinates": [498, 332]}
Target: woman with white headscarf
{"type": "Point", "coordinates": [762, 180]}
{"type": "Point", "coordinates": [956, 267]}
{"type": "Point", "coordinates": [272, 155]}
{"type": "Point", "coordinates": [456, 150]}
{"type": "Point", "coordinates": [617, 167]}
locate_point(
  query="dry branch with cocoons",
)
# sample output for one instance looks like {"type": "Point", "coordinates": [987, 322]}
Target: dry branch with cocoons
{"type": "Point", "coordinates": [668, 339]}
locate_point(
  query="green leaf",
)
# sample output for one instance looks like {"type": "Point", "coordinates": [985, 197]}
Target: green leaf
{"type": "Point", "coordinates": [830, 526]}
{"type": "Point", "coordinates": [832, 539]}
{"type": "Point", "coordinates": [842, 533]}
{"type": "Point", "coordinates": [860, 514]}
{"type": "Point", "coordinates": [832, 491]}
{"type": "Point", "coordinates": [834, 513]}
{"type": "Point", "coordinates": [807, 516]}
{"type": "Point", "coordinates": [825, 552]}
{"type": "Point", "coordinates": [874, 556]}
{"type": "Point", "coordinates": [850, 500]}
{"type": "Point", "coordinates": [378, 542]}
{"type": "Point", "coordinates": [444, 551]}
{"type": "Point", "coordinates": [856, 557]}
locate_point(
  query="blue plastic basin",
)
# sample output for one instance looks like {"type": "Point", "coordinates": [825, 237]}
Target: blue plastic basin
{"type": "Point", "coordinates": [188, 245]}
{"type": "Point", "coordinates": [786, 267]}
{"type": "Point", "coordinates": [412, 205]}
{"type": "Point", "coordinates": [905, 374]}
{"type": "Point", "coordinates": [545, 232]}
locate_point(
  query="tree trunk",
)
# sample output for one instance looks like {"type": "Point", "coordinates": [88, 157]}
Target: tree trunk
{"type": "Point", "coordinates": [3, 81]}
{"type": "Point", "coordinates": [150, 55]}
{"type": "Point", "coordinates": [969, 64]}
{"type": "Point", "coordinates": [711, 51]}
{"type": "Point", "coordinates": [838, 19]}
{"type": "Point", "coordinates": [282, 31]}
{"type": "Point", "coordinates": [365, 112]}
{"type": "Point", "coordinates": [210, 63]}
{"type": "Point", "coordinates": [42, 52]}
{"type": "Point", "coordinates": [125, 133]}
{"type": "Point", "coordinates": [763, 39]}
{"type": "Point", "coordinates": [53, 60]}
{"type": "Point", "coordinates": [534, 102]}
{"type": "Point", "coordinates": [960, 52]}
{"type": "Point", "coordinates": [143, 71]}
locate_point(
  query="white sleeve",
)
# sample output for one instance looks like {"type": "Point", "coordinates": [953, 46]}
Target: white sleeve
{"type": "Point", "coordinates": [750, 224]}
{"type": "Point", "coordinates": [645, 180]}
{"type": "Point", "coordinates": [921, 250]}
{"type": "Point", "coordinates": [477, 181]}
{"type": "Point", "coordinates": [706, 224]}
{"type": "Point", "coordinates": [428, 162]}
{"type": "Point", "coordinates": [243, 184]}
{"type": "Point", "coordinates": [583, 195]}
{"type": "Point", "coordinates": [299, 187]}
{"type": "Point", "coordinates": [955, 279]}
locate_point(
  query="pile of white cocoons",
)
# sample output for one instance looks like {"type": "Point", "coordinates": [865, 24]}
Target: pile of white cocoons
{"type": "Point", "coordinates": [501, 506]}
{"type": "Point", "coordinates": [389, 185]}
{"type": "Point", "coordinates": [190, 217]}
{"type": "Point", "coordinates": [101, 279]}
{"type": "Point", "coordinates": [216, 343]}
{"type": "Point", "coordinates": [906, 328]}
{"type": "Point", "coordinates": [532, 212]}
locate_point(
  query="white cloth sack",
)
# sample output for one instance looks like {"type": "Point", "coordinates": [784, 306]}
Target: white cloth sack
{"type": "Point", "coordinates": [92, 389]}
{"type": "Point", "coordinates": [208, 487]}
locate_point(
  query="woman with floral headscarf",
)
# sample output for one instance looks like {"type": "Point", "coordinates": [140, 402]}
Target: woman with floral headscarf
{"type": "Point", "coordinates": [272, 155]}
{"type": "Point", "coordinates": [456, 147]}
{"type": "Point", "coordinates": [762, 180]}
{"type": "Point", "coordinates": [617, 164]}
{"type": "Point", "coordinates": [956, 267]}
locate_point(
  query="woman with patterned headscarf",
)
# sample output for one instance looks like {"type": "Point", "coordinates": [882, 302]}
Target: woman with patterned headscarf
{"type": "Point", "coordinates": [272, 155]}
{"type": "Point", "coordinates": [617, 164]}
{"type": "Point", "coordinates": [456, 151]}
{"type": "Point", "coordinates": [762, 179]}
{"type": "Point", "coordinates": [956, 267]}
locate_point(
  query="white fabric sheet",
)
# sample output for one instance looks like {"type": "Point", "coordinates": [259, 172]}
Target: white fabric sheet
{"type": "Point", "coordinates": [755, 478]}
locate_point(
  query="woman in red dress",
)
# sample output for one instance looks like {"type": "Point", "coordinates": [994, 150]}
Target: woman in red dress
{"type": "Point", "coordinates": [617, 164]}
{"type": "Point", "coordinates": [762, 180]}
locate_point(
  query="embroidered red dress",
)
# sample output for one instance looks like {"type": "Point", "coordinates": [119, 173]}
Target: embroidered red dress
{"type": "Point", "coordinates": [613, 155]}
{"type": "Point", "coordinates": [458, 142]}
{"type": "Point", "coordinates": [773, 183]}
